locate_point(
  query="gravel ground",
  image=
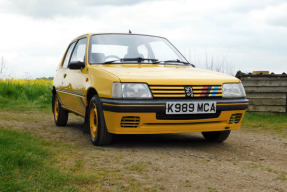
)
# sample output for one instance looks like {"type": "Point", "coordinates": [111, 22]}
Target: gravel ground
{"type": "Point", "coordinates": [246, 161]}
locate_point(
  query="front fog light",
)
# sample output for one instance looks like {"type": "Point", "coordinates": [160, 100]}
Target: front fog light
{"type": "Point", "coordinates": [131, 90]}
{"type": "Point", "coordinates": [233, 90]}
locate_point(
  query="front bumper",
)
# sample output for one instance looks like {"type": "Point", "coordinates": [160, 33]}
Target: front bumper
{"type": "Point", "coordinates": [153, 120]}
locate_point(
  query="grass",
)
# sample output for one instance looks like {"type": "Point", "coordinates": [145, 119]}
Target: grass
{"type": "Point", "coordinates": [268, 123]}
{"type": "Point", "coordinates": [137, 167]}
{"type": "Point", "coordinates": [22, 117]}
{"type": "Point", "coordinates": [25, 165]}
{"type": "Point", "coordinates": [212, 189]}
{"type": "Point", "coordinates": [29, 163]}
{"type": "Point", "coordinates": [282, 176]}
{"type": "Point", "coordinates": [25, 94]}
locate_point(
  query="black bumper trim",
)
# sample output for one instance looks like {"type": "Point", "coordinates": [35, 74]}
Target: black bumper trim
{"type": "Point", "coordinates": [134, 109]}
{"type": "Point", "coordinates": [163, 116]}
{"type": "Point", "coordinates": [163, 101]}
{"type": "Point", "coordinates": [117, 105]}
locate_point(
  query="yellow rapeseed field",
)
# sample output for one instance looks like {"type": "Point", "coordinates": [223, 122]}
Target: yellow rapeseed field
{"type": "Point", "coordinates": [45, 82]}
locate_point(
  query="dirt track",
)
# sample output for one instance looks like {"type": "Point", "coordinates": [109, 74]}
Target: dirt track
{"type": "Point", "coordinates": [174, 162]}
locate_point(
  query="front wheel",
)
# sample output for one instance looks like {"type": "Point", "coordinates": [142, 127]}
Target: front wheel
{"type": "Point", "coordinates": [60, 114]}
{"type": "Point", "coordinates": [216, 136]}
{"type": "Point", "coordinates": [98, 130]}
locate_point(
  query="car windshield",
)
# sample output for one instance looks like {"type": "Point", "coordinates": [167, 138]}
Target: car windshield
{"type": "Point", "coordinates": [130, 48]}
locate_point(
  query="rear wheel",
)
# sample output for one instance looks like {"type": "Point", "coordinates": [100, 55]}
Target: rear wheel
{"type": "Point", "coordinates": [216, 136]}
{"type": "Point", "coordinates": [60, 114]}
{"type": "Point", "coordinates": [98, 130]}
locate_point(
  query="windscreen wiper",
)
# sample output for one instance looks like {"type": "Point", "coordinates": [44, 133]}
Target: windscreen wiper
{"type": "Point", "coordinates": [174, 61]}
{"type": "Point", "coordinates": [112, 61]}
{"type": "Point", "coordinates": [138, 59]}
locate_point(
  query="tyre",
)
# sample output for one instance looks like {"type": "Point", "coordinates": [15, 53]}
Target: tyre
{"type": "Point", "coordinates": [216, 136]}
{"type": "Point", "coordinates": [86, 129]}
{"type": "Point", "coordinates": [98, 130]}
{"type": "Point", "coordinates": [60, 114]}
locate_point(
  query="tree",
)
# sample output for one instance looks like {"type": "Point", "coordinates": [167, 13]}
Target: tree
{"type": "Point", "coordinates": [207, 59]}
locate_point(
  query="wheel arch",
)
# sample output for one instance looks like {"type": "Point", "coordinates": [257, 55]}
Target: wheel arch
{"type": "Point", "coordinates": [90, 93]}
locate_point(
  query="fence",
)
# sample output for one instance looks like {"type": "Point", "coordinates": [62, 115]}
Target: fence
{"type": "Point", "coordinates": [266, 92]}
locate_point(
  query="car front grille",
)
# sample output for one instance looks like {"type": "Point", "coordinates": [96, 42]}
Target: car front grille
{"type": "Point", "coordinates": [235, 118]}
{"type": "Point", "coordinates": [166, 91]}
{"type": "Point", "coordinates": [130, 121]}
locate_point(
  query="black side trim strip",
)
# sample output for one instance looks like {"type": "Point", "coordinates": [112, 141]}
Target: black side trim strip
{"type": "Point", "coordinates": [71, 92]}
{"type": "Point", "coordinates": [82, 104]}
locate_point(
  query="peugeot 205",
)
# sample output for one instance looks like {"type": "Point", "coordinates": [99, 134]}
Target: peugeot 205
{"type": "Point", "coordinates": [141, 84]}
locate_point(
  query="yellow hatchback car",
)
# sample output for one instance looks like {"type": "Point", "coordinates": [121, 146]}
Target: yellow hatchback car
{"type": "Point", "coordinates": [141, 84]}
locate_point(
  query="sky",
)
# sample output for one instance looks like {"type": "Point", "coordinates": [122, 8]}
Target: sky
{"type": "Point", "coordinates": [234, 34]}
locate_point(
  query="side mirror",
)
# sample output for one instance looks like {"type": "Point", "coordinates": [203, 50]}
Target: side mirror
{"type": "Point", "coordinates": [76, 65]}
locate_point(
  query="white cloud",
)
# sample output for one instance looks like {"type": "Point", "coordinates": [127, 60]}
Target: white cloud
{"type": "Point", "coordinates": [71, 8]}
{"type": "Point", "coordinates": [251, 35]}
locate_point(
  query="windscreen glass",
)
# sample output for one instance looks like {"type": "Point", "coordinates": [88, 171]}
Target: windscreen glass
{"type": "Point", "coordinates": [127, 47]}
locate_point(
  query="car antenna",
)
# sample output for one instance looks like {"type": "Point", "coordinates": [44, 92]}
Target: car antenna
{"type": "Point", "coordinates": [130, 31]}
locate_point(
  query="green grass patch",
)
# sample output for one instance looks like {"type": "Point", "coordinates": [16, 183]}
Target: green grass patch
{"type": "Point", "coordinates": [23, 117]}
{"type": "Point", "coordinates": [275, 123]}
{"type": "Point", "coordinates": [282, 176]}
{"type": "Point", "coordinates": [25, 96]}
{"type": "Point", "coordinates": [212, 189]}
{"type": "Point", "coordinates": [26, 165]}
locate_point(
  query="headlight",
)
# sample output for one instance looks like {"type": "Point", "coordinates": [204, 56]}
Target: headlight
{"type": "Point", "coordinates": [131, 90]}
{"type": "Point", "coordinates": [233, 90]}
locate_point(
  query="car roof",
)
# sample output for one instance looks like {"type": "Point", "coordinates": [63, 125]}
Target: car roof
{"type": "Point", "coordinates": [90, 34]}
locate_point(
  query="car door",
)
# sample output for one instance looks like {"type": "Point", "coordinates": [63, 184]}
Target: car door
{"type": "Point", "coordinates": [74, 80]}
{"type": "Point", "coordinates": [61, 73]}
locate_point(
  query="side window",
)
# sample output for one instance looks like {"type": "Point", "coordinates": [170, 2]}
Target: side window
{"type": "Point", "coordinates": [68, 55]}
{"type": "Point", "coordinates": [80, 50]}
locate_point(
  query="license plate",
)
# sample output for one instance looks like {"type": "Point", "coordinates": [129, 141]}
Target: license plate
{"type": "Point", "coordinates": [190, 107]}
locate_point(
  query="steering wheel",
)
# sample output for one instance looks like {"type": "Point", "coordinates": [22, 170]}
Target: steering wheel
{"type": "Point", "coordinates": [112, 56]}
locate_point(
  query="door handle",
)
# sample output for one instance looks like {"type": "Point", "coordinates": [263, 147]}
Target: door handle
{"type": "Point", "coordinates": [65, 75]}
